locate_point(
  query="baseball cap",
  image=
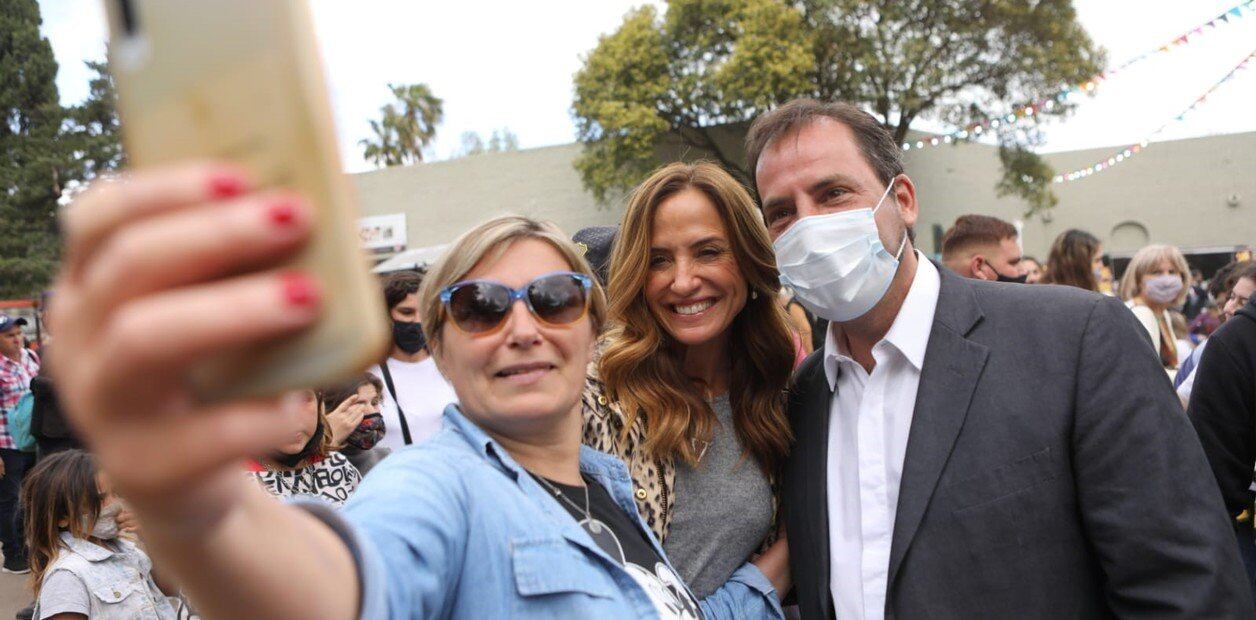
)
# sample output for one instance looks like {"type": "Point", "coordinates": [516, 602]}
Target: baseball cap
{"type": "Point", "coordinates": [7, 322]}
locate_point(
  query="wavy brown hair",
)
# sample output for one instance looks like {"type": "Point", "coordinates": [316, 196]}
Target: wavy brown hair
{"type": "Point", "coordinates": [62, 487]}
{"type": "Point", "coordinates": [642, 364]}
{"type": "Point", "coordinates": [1070, 261]}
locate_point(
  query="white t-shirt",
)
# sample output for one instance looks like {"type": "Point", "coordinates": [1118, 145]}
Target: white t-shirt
{"type": "Point", "coordinates": [423, 392]}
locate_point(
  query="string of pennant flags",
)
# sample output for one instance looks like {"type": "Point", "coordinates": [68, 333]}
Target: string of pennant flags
{"type": "Point", "coordinates": [976, 130]}
{"type": "Point", "coordinates": [1134, 149]}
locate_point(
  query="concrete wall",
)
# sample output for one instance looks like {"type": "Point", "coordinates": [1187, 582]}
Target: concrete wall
{"type": "Point", "coordinates": [1178, 192]}
{"type": "Point", "coordinates": [442, 200]}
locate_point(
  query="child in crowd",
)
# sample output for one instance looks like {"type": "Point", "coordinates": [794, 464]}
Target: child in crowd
{"type": "Point", "coordinates": [306, 466]}
{"type": "Point", "coordinates": [83, 563]}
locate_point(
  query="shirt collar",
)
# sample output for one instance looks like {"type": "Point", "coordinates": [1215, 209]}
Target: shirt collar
{"type": "Point", "coordinates": [90, 551]}
{"type": "Point", "coordinates": [602, 466]}
{"type": "Point", "coordinates": [911, 328]}
{"type": "Point", "coordinates": [480, 441]}
{"type": "Point", "coordinates": [23, 358]}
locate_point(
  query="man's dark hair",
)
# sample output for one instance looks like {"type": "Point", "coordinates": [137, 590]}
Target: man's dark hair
{"type": "Point", "coordinates": [1245, 269]}
{"type": "Point", "coordinates": [400, 284]}
{"type": "Point", "coordinates": [875, 141]}
{"type": "Point", "coordinates": [1223, 280]}
{"type": "Point", "coordinates": [975, 230]}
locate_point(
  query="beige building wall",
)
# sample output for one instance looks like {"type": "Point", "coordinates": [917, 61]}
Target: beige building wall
{"type": "Point", "coordinates": [1192, 193]}
{"type": "Point", "coordinates": [442, 200]}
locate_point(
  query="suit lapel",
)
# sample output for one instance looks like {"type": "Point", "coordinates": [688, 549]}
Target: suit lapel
{"type": "Point", "coordinates": [952, 367]}
{"type": "Point", "coordinates": [810, 473]}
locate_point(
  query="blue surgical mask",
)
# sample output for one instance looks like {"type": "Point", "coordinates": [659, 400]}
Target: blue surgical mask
{"type": "Point", "coordinates": [836, 263]}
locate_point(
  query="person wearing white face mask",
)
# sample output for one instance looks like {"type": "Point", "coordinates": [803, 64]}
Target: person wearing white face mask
{"type": "Point", "coordinates": [957, 440]}
{"type": "Point", "coordinates": [1154, 282]}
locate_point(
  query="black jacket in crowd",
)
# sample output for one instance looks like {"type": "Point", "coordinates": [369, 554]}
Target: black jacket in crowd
{"type": "Point", "coordinates": [1223, 406]}
{"type": "Point", "coordinates": [52, 432]}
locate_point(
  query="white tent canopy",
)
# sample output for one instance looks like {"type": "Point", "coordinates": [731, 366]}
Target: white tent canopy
{"type": "Point", "coordinates": [411, 259]}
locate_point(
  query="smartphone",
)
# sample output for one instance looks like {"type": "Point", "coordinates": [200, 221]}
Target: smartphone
{"type": "Point", "coordinates": [241, 80]}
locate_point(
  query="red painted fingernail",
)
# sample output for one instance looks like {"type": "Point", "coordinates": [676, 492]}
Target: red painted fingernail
{"type": "Point", "coordinates": [299, 289]}
{"type": "Point", "coordinates": [282, 213]}
{"type": "Point", "coordinates": [226, 185]}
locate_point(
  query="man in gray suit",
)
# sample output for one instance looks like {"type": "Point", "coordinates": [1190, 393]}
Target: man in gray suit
{"type": "Point", "coordinates": [970, 449]}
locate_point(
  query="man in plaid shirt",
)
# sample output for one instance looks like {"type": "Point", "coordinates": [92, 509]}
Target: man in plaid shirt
{"type": "Point", "coordinates": [17, 366]}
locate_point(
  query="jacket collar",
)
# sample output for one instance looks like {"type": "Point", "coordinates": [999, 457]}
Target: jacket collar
{"type": "Point", "coordinates": [90, 551]}
{"type": "Point", "coordinates": [909, 333]}
{"type": "Point", "coordinates": [952, 370]}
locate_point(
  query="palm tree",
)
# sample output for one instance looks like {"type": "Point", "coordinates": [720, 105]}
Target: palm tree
{"type": "Point", "coordinates": [408, 125]}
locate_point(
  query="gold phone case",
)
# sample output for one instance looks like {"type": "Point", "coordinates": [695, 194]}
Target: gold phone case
{"type": "Point", "coordinates": [241, 80]}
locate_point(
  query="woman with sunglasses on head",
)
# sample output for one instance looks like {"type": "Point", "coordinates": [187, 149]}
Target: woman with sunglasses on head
{"type": "Point", "coordinates": [500, 514]}
{"type": "Point", "coordinates": [693, 374]}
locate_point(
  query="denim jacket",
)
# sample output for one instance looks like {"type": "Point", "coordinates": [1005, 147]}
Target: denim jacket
{"type": "Point", "coordinates": [119, 583]}
{"type": "Point", "coordinates": [455, 528]}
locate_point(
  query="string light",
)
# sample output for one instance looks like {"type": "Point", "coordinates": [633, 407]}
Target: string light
{"type": "Point", "coordinates": [1089, 86]}
{"type": "Point", "coordinates": [1134, 149]}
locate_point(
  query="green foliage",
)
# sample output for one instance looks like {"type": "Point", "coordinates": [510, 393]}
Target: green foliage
{"type": "Point", "coordinates": [94, 131]}
{"type": "Point", "coordinates": [406, 127]}
{"type": "Point", "coordinates": [501, 140]}
{"type": "Point", "coordinates": [1026, 175]}
{"type": "Point", "coordinates": [712, 62]}
{"type": "Point", "coordinates": [35, 162]}
{"type": "Point", "coordinates": [706, 63]}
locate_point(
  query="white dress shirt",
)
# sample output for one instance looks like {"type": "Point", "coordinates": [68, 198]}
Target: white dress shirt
{"type": "Point", "coordinates": [869, 420]}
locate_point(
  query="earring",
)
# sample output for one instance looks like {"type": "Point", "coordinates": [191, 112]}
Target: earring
{"type": "Point", "coordinates": [754, 294]}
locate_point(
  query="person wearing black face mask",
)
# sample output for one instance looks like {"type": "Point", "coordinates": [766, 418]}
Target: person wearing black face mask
{"type": "Point", "coordinates": [415, 393]}
{"type": "Point", "coordinates": [408, 336]}
{"type": "Point", "coordinates": [983, 248]}
{"type": "Point", "coordinates": [306, 466]}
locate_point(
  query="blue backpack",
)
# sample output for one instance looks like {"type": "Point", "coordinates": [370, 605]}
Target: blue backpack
{"type": "Point", "coordinates": [20, 423]}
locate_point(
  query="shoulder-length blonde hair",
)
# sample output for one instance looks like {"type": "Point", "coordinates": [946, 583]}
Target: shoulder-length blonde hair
{"type": "Point", "coordinates": [490, 240]}
{"type": "Point", "coordinates": [642, 364]}
{"type": "Point", "coordinates": [1146, 261]}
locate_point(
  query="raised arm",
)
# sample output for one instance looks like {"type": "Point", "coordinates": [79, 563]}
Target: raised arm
{"type": "Point", "coordinates": [162, 269]}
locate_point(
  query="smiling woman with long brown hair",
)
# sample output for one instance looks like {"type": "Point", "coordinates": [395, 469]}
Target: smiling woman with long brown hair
{"type": "Point", "coordinates": [694, 369]}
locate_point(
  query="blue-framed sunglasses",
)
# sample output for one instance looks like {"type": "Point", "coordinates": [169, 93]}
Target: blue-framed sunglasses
{"type": "Point", "coordinates": [481, 306]}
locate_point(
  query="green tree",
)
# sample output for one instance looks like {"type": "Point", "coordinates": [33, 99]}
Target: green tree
{"type": "Point", "coordinates": [954, 61]}
{"type": "Point", "coordinates": [501, 140]}
{"type": "Point", "coordinates": [960, 62]}
{"type": "Point", "coordinates": [703, 64]}
{"type": "Point", "coordinates": [35, 162]}
{"type": "Point", "coordinates": [94, 130]}
{"type": "Point", "coordinates": [406, 127]}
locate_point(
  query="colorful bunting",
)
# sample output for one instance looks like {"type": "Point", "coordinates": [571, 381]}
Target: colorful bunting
{"type": "Point", "coordinates": [1089, 86]}
{"type": "Point", "coordinates": [1135, 149]}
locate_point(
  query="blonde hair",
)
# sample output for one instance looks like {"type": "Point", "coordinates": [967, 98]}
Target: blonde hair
{"type": "Point", "coordinates": [489, 241]}
{"type": "Point", "coordinates": [1147, 260]}
{"type": "Point", "coordinates": [642, 365]}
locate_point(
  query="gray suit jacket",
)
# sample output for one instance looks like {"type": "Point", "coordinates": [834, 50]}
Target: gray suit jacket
{"type": "Point", "coordinates": [1050, 472]}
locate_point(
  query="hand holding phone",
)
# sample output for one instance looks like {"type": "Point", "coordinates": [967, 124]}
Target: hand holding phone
{"type": "Point", "coordinates": [145, 296]}
{"type": "Point", "coordinates": [240, 81]}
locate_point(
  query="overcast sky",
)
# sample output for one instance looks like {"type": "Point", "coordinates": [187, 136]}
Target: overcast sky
{"type": "Point", "coordinates": [510, 64]}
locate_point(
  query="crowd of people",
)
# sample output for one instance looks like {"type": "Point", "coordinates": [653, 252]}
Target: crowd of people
{"type": "Point", "coordinates": [759, 402]}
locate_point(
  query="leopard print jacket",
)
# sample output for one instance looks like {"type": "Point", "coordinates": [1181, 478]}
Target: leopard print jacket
{"type": "Point", "coordinates": [652, 478]}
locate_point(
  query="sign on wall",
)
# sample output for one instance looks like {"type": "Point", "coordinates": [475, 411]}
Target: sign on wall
{"type": "Point", "coordinates": [383, 233]}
